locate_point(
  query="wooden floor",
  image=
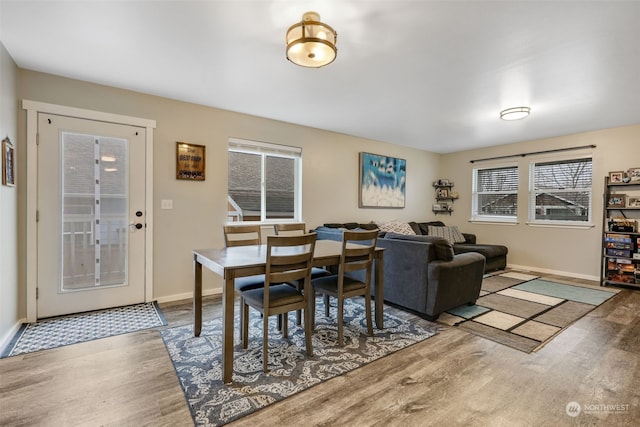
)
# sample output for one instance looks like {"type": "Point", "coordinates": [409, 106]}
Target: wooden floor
{"type": "Point", "coordinates": [452, 379]}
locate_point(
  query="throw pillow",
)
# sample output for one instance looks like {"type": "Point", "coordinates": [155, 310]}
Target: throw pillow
{"type": "Point", "coordinates": [450, 233]}
{"type": "Point", "coordinates": [396, 227]}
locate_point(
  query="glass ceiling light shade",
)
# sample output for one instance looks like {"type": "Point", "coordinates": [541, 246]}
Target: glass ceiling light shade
{"type": "Point", "coordinates": [310, 43]}
{"type": "Point", "coordinates": [516, 113]}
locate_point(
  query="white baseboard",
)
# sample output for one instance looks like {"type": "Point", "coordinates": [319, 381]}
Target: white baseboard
{"type": "Point", "coordinates": [6, 339]}
{"type": "Point", "coordinates": [188, 295]}
{"type": "Point", "coordinates": [556, 272]}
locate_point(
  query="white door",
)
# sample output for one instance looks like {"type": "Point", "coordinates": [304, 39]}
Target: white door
{"type": "Point", "coordinates": [91, 217]}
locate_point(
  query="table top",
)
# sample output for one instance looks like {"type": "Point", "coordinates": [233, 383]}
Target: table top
{"type": "Point", "coordinates": [255, 256]}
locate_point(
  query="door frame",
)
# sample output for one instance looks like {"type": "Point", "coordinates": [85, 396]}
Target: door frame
{"type": "Point", "coordinates": [33, 108]}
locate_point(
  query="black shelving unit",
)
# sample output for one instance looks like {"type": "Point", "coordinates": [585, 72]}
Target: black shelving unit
{"type": "Point", "coordinates": [621, 239]}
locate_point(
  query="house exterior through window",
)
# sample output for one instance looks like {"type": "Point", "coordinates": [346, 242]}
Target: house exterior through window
{"type": "Point", "coordinates": [264, 181]}
{"type": "Point", "coordinates": [495, 193]}
{"type": "Point", "coordinates": [560, 191]}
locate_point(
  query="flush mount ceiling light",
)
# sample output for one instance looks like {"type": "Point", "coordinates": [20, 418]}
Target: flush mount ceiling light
{"type": "Point", "coordinates": [516, 113]}
{"type": "Point", "coordinates": [310, 43]}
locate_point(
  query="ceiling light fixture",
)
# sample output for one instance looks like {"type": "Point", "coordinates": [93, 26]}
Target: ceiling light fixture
{"type": "Point", "coordinates": [310, 43]}
{"type": "Point", "coordinates": [515, 113]}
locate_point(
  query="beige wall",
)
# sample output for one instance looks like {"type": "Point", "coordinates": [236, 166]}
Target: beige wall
{"type": "Point", "coordinates": [9, 289]}
{"type": "Point", "coordinates": [330, 176]}
{"type": "Point", "coordinates": [554, 249]}
{"type": "Point", "coordinates": [330, 170]}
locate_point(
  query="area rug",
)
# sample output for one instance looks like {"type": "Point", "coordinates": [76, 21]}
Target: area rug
{"type": "Point", "coordinates": [197, 360]}
{"type": "Point", "coordinates": [65, 330]}
{"type": "Point", "coordinates": [523, 311]}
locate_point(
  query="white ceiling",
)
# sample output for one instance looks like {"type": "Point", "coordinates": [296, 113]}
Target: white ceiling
{"type": "Point", "coordinates": [426, 74]}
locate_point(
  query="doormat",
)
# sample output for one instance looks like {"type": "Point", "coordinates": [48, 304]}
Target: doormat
{"type": "Point", "coordinates": [66, 330]}
{"type": "Point", "coordinates": [198, 360]}
{"type": "Point", "coordinates": [525, 312]}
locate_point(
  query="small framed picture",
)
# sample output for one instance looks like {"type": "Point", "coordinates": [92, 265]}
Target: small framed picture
{"type": "Point", "coordinates": [8, 163]}
{"type": "Point", "coordinates": [616, 177]}
{"type": "Point", "coordinates": [634, 174]}
{"type": "Point", "coordinates": [443, 193]}
{"type": "Point", "coordinates": [617, 201]}
{"type": "Point", "coordinates": [633, 202]}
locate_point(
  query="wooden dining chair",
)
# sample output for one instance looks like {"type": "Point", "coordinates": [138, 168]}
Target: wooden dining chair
{"type": "Point", "coordinates": [244, 235]}
{"type": "Point", "coordinates": [289, 258]}
{"type": "Point", "coordinates": [358, 248]}
{"type": "Point", "coordinates": [289, 229]}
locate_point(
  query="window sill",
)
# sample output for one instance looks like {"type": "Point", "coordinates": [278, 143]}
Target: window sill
{"type": "Point", "coordinates": [547, 224]}
{"type": "Point", "coordinates": [494, 221]}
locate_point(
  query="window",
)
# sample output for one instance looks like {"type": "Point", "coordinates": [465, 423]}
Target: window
{"type": "Point", "coordinates": [264, 181]}
{"type": "Point", "coordinates": [560, 191]}
{"type": "Point", "coordinates": [495, 193]}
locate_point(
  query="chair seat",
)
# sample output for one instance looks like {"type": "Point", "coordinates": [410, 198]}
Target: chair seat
{"type": "Point", "coordinates": [319, 272]}
{"type": "Point", "coordinates": [279, 295]}
{"type": "Point", "coordinates": [250, 282]}
{"type": "Point", "coordinates": [330, 284]}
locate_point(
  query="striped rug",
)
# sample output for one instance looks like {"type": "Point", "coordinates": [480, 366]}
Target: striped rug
{"type": "Point", "coordinates": [65, 330]}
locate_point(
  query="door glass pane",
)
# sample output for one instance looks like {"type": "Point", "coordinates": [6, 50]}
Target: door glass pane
{"type": "Point", "coordinates": [94, 211]}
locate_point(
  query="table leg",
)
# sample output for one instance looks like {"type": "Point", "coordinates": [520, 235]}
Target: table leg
{"type": "Point", "coordinates": [380, 290]}
{"type": "Point", "coordinates": [227, 326]}
{"type": "Point", "coordinates": [197, 297]}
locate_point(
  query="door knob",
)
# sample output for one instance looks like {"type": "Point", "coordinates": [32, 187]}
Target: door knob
{"type": "Point", "coordinates": [136, 225]}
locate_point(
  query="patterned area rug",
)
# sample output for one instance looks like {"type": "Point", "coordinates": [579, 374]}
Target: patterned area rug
{"type": "Point", "coordinates": [197, 360]}
{"type": "Point", "coordinates": [65, 330]}
{"type": "Point", "coordinates": [523, 311]}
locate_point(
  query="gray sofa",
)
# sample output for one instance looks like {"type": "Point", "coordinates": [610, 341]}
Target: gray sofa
{"type": "Point", "coordinates": [422, 274]}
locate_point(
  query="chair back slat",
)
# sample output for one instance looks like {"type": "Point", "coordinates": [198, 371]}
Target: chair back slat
{"type": "Point", "coordinates": [290, 229]}
{"type": "Point", "coordinates": [242, 235]}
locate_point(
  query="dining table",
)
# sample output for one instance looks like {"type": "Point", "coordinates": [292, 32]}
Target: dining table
{"type": "Point", "coordinates": [241, 261]}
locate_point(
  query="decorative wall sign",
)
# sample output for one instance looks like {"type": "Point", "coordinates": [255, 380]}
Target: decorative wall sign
{"type": "Point", "coordinates": [8, 163]}
{"type": "Point", "coordinates": [190, 161]}
{"type": "Point", "coordinates": [382, 181]}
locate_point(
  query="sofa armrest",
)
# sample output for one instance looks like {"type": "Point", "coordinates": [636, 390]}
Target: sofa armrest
{"type": "Point", "coordinates": [469, 239]}
{"type": "Point", "coordinates": [405, 272]}
{"type": "Point", "coordinates": [454, 283]}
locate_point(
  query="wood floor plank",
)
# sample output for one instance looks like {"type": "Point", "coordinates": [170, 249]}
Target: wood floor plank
{"type": "Point", "coordinates": [452, 379]}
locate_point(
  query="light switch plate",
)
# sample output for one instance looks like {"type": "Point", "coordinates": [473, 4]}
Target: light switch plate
{"type": "Point", "coordinates": [166, 204]}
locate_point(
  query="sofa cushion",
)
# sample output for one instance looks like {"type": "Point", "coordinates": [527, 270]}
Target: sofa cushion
{"type": "Point", "coordinates": [443, 248]}
{"type": "Point", "coordinates": [489, 251]}
{"type": "Point", "coordinates": [451, 233]}
{"type": "Point", "coordinates": [423, 227]}
{"type": "Point", "coordinates": [395, 227]}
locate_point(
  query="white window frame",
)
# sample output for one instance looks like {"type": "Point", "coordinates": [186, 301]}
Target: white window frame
{"type": "Point", "coordinates": [266, 149]}
{"type": "Point", "coordinates": [478, 217]}
{"type": "Point", "coordinates": [531, 209]}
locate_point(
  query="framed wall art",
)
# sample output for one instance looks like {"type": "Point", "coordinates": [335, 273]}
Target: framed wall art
{"type": "Point", "coordinates": [190, 161]}
{"type": "Point", "coordinates": [382, 181]}
{"type": "Point", "coordinates": [8, 163]}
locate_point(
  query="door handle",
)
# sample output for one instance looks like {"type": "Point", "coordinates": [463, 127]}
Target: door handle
{"type": "Point", "coordinates": [136, 225]}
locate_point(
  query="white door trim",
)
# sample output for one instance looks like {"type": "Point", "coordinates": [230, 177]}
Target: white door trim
{"type": "Point", "coordinates": [33, 108]}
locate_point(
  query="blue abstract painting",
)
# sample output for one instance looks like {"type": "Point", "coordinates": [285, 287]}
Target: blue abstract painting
{"type": "Point", "coordinates": [382, 181]}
